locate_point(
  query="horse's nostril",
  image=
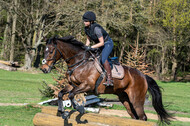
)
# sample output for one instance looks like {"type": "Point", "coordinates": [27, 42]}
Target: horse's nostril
{"type": "Point", "coordinates": [46, 71]}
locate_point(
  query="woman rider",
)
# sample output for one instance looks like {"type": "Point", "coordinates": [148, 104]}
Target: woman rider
{"type": "Point", "coordinates": [96, 33]}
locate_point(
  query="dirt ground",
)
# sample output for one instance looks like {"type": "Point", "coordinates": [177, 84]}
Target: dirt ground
{"type": "Point", "coordinates": [123, 113]}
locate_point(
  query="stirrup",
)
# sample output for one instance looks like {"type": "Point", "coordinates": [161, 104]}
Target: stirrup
{"type": "Point", "coordinates": [108, 83]}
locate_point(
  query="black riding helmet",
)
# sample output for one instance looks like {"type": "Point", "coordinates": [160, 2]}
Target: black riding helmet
{"type": "Point", "coordinates": [89, 16]}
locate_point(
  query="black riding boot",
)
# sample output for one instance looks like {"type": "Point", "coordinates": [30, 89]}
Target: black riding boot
{"type": "Point", "coordinates": [107, 67]}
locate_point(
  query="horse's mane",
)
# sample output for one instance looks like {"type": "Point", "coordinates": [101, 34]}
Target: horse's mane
{"type": "Point", "coordinates": [67, 39]}
{"type": "Point", "coordinates": [72, 40]}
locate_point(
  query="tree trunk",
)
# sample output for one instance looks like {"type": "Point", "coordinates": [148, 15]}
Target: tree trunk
{"type": "Point", "coordinates": [174, 64]}
{"type": "Point", "coordinates": [13, 34]}
{"type": "Point", "coordinates": [5, 42]}
{"type": "Point", "coordinates": [163, 61]}
{"type": "Point", "coordinates": [122, 51]}
{"type": "Point", "coordinates": [154, 9]}
{"type": "Point", "coordinates": [150, 11]}
{"type": "Point", "coordinates": [131, 13]}
{"type": "Point", "coordinates": [174, 60]}
{"type": "Point", "coordinates": [29, 46]}
{"type": "Point", "coordinates": [30, 55]}
{"type": "Point", "coordinates": [137, 43]}
{"type": "Point", "coordinates": [37, 60]}
{"type": "Point", "coordinates": [28, 62]}
{"type": "Point", "coordinates": [158, 70]}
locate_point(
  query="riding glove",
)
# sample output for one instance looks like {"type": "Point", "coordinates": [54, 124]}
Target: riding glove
{"type": "Point", "coordinates": [87, 48]}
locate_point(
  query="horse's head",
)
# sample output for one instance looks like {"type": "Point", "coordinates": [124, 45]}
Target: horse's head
{"type": "Point", "coordinates": [51, 54]}
{"type": "Point", "coordinates": [68, 48]}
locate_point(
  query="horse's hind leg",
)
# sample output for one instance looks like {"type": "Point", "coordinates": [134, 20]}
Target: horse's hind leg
{"type": "Point", "coordinates": [134, 108]}
{"type": "Point", "coordinates": [123, 97]}
{"type": "Point", "coordinates": [136, 96]}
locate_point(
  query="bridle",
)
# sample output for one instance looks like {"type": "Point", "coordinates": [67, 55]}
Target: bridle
{"type": "Point", "coordinates": [73, 66]}
{"type": "Point", "coordinates": [44, 61]}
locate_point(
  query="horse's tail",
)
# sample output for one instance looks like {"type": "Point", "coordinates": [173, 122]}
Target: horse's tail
{"type": "Point", "coordinates": [155, 91]}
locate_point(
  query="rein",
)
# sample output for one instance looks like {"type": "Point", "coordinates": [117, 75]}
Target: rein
{"type": "Point", "coordinates": [79, 63]}
{"type": "Point", "coordinates": [68, 59]}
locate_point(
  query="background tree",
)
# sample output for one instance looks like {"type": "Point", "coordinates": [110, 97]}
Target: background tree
{"type": "Point", "coordinates": [176, 19]}
{"type": "Point", "coordinates": [15, 7]}
{"type": "Point", "coordinates": [159, 27]}
{"type": "Point", "coordinates": [5, 29]}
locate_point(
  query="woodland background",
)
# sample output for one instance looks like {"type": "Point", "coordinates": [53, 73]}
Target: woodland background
{"type": "Point", "coordinates": [151, 33]}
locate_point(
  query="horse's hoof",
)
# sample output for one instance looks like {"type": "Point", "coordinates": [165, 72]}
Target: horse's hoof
{"type": "Point", "coordinates": [65, 115]}
{"type": "Point", "coordinates": [59, 113]}
{"type": "Point", "coordinates": [80, 108]}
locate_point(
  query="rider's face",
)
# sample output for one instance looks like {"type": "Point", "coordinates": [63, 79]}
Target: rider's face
{"type": "Point", "coordinates": [86, 23]}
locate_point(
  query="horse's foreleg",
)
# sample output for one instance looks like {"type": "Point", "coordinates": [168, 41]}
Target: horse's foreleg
{"type": "Point", "coordinates": [64, 91]}
{"type": "Point", "coordinates": [77, 90]}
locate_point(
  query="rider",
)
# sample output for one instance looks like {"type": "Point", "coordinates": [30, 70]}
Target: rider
{"type": "Point", "coordinates": [102, 40]}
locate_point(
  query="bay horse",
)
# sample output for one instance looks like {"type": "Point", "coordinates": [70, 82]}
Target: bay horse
{"type": "Point", "coordinates": [82, 76]}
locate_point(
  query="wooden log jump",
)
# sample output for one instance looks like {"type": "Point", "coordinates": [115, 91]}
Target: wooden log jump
{"type": "Point", "coordinates": [8, 63]}
{"type": "Point", "coordinates": [48, 118]}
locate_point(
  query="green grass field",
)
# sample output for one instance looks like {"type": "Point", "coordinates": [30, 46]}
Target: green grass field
{"type": "Point", "coordinates": [176, 95]}
{"type": "Point", "coordinates": [22, 87]}
{"type": "Point", "coordinates": [17, 115]}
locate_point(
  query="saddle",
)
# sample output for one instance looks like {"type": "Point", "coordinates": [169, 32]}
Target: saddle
{"type": "Point", "coordinates": [116, 68]}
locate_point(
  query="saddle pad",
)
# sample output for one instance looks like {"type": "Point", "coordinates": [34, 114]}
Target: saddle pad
{"type": "Point", "coordinates": [117, 71]}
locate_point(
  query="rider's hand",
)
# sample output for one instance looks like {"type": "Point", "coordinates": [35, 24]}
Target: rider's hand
{"type": "Point", "coordinates": [93, 49]}
{"type": "Point", "coordinates": [87, 48]}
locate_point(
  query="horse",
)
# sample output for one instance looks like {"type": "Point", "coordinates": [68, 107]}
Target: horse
{"type": "Point", "coordinates": [82, 76]}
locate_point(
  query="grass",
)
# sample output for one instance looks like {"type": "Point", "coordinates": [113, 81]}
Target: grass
{"type": "Point", "coordinates": [17, 116]}
{"type": "Point", "coordinates": [176, 95]}
{"type": "Point", "coordinates": [173, 123]}
{"type": "Point", "coordinates": [22, 87]}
